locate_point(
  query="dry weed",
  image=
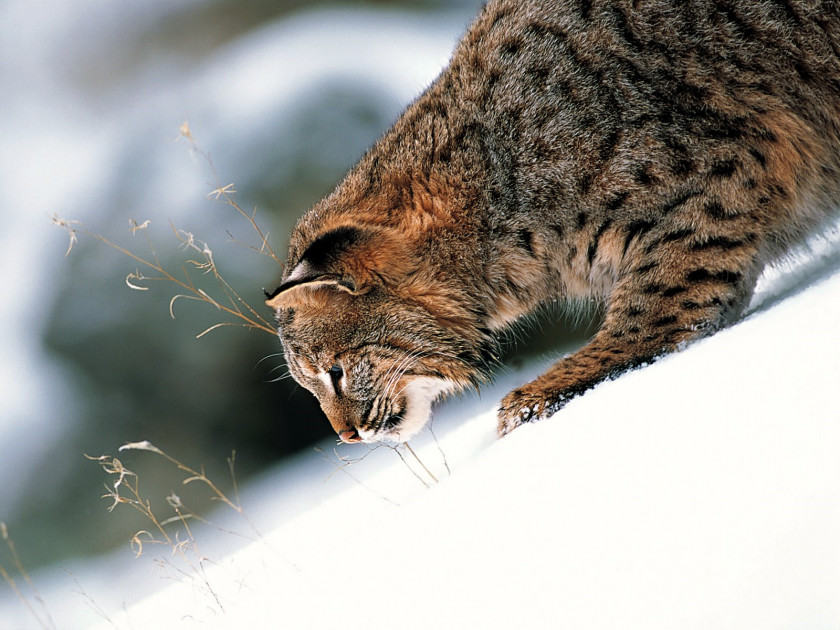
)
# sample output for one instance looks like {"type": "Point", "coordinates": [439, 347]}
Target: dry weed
{"type": "Point", "coordinates": [404, 451]}
{"type": "Point", "coordinates": [26, 592]}
{"type": "Point", "coordinates": [173, 531]}
{"type": "Point", "coordinates": [221, 295]}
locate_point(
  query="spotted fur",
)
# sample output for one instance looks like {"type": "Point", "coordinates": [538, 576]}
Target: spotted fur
{"type": "Point", "coordinates": [653, 154]}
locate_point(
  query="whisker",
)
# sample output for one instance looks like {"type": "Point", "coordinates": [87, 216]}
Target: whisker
{"type": "Point", "coordinates": [399, 375]}
{"type": "Point", "coordinates": [397, 365]}
{"type": "Point", "coordinates": [270, 356]}
{"type": "Point", "coordinates": [282, 377]}
{"type": "Point", "coordinates": [400, 369]}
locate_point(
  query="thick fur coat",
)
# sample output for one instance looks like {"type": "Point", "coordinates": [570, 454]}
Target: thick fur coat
{"type": "Point", "coordinates": [653, 154]}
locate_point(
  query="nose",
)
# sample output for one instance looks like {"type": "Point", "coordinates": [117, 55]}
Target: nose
{"type": "Point", "coordinates": [350, 436]}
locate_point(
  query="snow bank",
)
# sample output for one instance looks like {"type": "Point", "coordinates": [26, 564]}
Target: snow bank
{"type": "Point", "coordinates": [702, 491]}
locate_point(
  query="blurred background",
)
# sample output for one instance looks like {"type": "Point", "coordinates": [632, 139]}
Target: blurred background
{"type": "Point", "coordinates": [284, 96]}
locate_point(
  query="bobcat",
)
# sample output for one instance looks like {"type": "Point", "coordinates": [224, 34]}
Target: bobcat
{"type": "Point", "coordinates": [652, 154]}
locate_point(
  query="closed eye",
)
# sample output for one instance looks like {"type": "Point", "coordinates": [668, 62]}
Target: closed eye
{"type": "Point", "coordinates": [336, 373]}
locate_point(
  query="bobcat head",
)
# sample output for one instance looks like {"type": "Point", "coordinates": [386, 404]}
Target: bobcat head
{"type": "Point", "coordinates": [357, 333]}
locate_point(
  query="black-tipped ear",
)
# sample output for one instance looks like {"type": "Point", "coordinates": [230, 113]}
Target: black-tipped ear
{"type": "Point", "coordinates": [327, 251]}
{"type": "Point", "coordinates": [326, 261]}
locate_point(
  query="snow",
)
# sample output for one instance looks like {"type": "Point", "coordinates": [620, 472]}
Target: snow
{"type": "Point", "coordinates": [698, 492]}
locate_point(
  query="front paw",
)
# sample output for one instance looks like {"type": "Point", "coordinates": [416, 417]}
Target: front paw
{"type": "Point", "coordinates": [526, 404]}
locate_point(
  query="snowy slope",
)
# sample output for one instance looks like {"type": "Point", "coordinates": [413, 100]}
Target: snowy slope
{"type": "Point", "coordinates": [700, 492]}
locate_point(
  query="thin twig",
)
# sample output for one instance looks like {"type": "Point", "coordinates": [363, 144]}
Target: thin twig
{"type": "Point", "coordinates": [232, 308]}
{"type": "Point", "coordinates": [231, 302]}
{"type": "Point", "coordinates": [419, 461]}
{"type": "Point", "coordinates": [45, 622]}
{"type": "Point", "coordinates": [225, 193]}
{"type": "Point", "coordinates": [396, 449]}
{"type": "Point", "coordinates": [345, 463]}
{"type": "Point", "coordinates": [442, 454]}
{"type": "Point", "coordinates": [88, 599]}
{"type": "Point", "coordinates": [125, 490]}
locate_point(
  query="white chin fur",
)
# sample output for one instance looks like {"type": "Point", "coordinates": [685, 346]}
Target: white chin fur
{"type": "Point", "coordinates": [420, 393]}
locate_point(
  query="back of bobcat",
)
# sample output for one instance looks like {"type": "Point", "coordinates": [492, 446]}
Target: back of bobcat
{"type": "Point", "coordinates": [649, 153]}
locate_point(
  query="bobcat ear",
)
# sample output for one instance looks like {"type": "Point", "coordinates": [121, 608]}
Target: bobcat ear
{"type": "Point", "coordinates": [331, 259]}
